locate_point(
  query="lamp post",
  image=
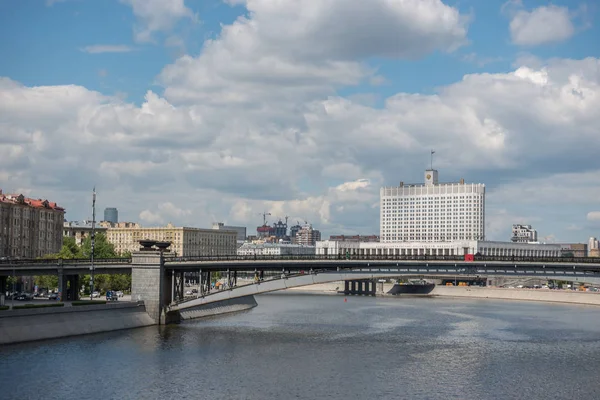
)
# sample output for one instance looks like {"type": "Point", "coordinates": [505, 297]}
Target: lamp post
{"type": "Point", "coordinates": [93, 242]}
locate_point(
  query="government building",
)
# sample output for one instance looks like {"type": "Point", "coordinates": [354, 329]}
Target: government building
{"type": "Point", "coordinates": [433, 211]}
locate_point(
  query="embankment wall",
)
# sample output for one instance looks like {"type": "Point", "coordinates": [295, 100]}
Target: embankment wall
{"type": "Point", "coordinates": [50, 323]}
{"type": "Point", "coordinates": [548, 295]}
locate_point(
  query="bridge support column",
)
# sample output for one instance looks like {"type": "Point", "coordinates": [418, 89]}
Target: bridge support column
{"type": "Point", "coordinates": [3, 281]}
{"type": "Point", "coordinates": [73, 289]}
{"type": "Point", "coordinates": [62, 285]}
{"type": "Point", "coordinates": [346, 287]}
{"type": "Point", "coordinates": [150, 283]}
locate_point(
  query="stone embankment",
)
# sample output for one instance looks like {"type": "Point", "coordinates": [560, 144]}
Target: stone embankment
{"type": "Point", "coordinates": [50, 323]}
{"type": "Point", "coordinates": [547, 295]}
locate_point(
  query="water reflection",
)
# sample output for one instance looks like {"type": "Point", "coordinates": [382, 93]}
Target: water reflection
{"type": "Point", "coordinates": [309, 347]}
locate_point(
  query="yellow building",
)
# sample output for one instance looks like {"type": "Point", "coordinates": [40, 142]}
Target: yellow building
{"type": "Point", "coordinates": [185, 242]}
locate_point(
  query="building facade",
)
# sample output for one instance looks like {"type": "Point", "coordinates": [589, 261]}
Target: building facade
{"type": "Point", "coordinates": [185, 242]}
{"type": "Point", "coordinates": [274, 249]}
{"type": "Point", "coordinates": [80, 230]}
{"type": "Point", "coordinates": [29, 228]}
{"type": "Point", "coordinates": [457, 248]}
{"type": "Point", "coordinates": [593, 246]}
{"type": "Point", "coordinates": [111, 215]}
{"type": "Point", "coordinates": [355, 238]}
{"type": "Point", "coordinates": [433, 211]}
{"type": "Point", "coordinates": [574, 249]}
{"type": "Point", "coordinates": [239, 230]}
{"type": "Point", "coordinates": [523, 234]}
{"type": "Point", "coordinates": [307, 236]}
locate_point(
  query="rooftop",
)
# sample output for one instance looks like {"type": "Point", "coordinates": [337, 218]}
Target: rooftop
{"type": "Point", "coordinates": [26, 201]}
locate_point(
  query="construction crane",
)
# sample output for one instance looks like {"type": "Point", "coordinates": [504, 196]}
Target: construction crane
{"type": "Point", "coordinates": [264, 215]}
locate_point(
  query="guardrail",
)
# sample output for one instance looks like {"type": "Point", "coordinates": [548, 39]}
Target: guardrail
{"type": "Point", "coordinates": [358, 257]}
{"type": "Point", "coordinates": [66, 261]}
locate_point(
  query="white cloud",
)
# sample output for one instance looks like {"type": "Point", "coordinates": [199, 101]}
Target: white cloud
{"type": "Point", "coordinates": [324, 164]}
{"type": "Point", "coordinates": [107, 48]}
{"type": "Point", "coordinates": [157, 15]}
{"type": "Point", "coordinates": [254, 123]}
{"type": "Point", "coordinates": [311, 47]}
{"type": "Point", "coordinates": [593, 216]}
{"type": "Point", "coordinates": [546, 24]}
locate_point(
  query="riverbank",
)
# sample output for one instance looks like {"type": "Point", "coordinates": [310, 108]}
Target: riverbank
{"type": "Point", "coordinates": [545, 295]}
{"type": "Point", "coordinates": [50, 323]}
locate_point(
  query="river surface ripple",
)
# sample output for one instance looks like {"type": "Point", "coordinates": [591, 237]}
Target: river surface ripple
{"type": "Point", "coordinates": [296, 346]}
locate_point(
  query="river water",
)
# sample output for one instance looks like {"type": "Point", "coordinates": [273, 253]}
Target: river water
{"type": "Point", "coordinates": [321, 347]}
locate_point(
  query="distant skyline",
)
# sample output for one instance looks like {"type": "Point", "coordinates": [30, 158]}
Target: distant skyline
{"type": "Point", "coordinates": [197, 111]}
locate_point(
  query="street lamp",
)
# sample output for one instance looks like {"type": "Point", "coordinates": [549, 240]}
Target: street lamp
{"type": "Point", "coordinates": [93, 242]}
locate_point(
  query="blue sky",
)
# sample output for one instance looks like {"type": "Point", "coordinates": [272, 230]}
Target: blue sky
{"type": "Point", "coordinates": [53, 35]}
{"type": "Point", "coordinates": [254, 101]}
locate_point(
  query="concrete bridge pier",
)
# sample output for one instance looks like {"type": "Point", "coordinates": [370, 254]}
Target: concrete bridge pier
{"type": "Point", "coordinates": [360, 287]}
{"type": "Point", "coordinates": [150, 283]}
{"type": "Point", "coordinates": [68, 286]}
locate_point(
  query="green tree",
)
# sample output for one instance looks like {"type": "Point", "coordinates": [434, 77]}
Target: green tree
{"type": "Point", "coordinates": [102, 247]}
{"type": "Point", "coordinates": [68, 250]}
{"type": "Point", "coordinates": [46, 281]}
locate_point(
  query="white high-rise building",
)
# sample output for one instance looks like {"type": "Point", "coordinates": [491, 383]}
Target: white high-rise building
{"type": "Point", "coordinates": [523, 234]}
{"type": "Point", "coordinates": [432, 212]}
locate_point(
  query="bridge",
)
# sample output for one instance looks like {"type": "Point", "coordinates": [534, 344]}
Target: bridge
{"type": "Point", "coordinates": [158, 276]}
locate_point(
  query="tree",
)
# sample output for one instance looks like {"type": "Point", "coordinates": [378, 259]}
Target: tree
{"type": "Point", "coordinates": [68, 250]}
{"type": "Point", "coordinates": [46, 281]}
{"type": "Point", "coordinates": [102, 247]}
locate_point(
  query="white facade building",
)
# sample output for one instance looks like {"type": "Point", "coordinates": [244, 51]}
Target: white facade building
{"type": "Point", "coordinates": [432, 212]}
{"type": "Point", "coordinates": [593, 246]}
{"type": "Point", "coordinates": [457, 248]}
{"type": "Point", "coordinates": [523, 234]}
{"type": "Point", "coordinates": [274, 249]}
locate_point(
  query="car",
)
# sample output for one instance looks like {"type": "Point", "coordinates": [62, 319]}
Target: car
{"type": "Point", "coordinates": [111, 295]}
{"type": "Point", "coordinates": [53, 296]}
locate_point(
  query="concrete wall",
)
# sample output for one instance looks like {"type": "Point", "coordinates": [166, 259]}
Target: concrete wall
{"type": "Point", "coordinates": [560, 296]}
{"type": "Point", "coordinates": [49, 323]}
{"type": "Point", "coordinates": [222, 307]}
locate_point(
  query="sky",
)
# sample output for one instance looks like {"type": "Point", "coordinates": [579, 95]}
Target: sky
{"type": "Point", "coordinates": [198, 111]}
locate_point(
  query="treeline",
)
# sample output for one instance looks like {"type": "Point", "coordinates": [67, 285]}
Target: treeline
{"type": "Point", "coordinates": [102, 249]}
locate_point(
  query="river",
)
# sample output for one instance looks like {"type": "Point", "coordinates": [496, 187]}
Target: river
{"type": "Point", "coordinates": [295, 346]}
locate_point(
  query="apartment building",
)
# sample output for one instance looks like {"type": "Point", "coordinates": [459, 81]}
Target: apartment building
{"type": "Point", "coordinates": [523, 234]}
{"type": "Point", "coordinates": [29, 228]}
{"type": "Point", "coordinates": [185, 241]}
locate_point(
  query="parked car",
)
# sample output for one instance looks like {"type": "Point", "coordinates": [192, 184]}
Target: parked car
{"type": "Point", "coordinates": [111, 296]}
{"type": "Point", "coordinates": [53, 296]}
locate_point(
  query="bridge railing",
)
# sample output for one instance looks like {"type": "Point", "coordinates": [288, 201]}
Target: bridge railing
{"type": "Point", "coordinates": [396, 257]}
{"type": "Point", "coordinates": [66, 261]}
{"type": "Point", "coordinates": [269, 278]}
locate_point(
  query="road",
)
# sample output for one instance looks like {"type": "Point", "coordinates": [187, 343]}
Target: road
{"type": "Point", "coordinates": [44, 300]}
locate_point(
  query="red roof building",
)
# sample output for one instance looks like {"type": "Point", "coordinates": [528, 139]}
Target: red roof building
{"type": "Point", "coordinates": [29, 228]}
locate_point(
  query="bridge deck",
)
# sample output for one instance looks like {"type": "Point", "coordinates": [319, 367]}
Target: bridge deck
{"type": "Point", "coordinates": [372, 273]}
